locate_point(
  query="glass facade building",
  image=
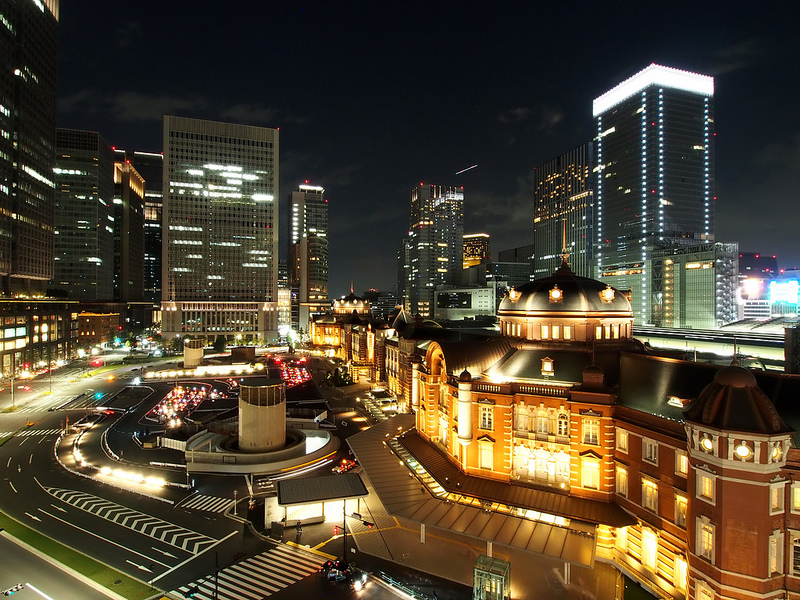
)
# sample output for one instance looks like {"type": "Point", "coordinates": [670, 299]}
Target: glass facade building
{"type": "Point", "coordinates": [28, 35]}
{"type": "Point", "coordinates": [434, 246]}
{"type": "Point", "coordinates": [307, 257]}
{"type": "Point", "coordinates": [654, 175]}
{"type": "Point", "coordinates": [128, 231]}
{"type": "Point", "coordinates": [220, 234]}
{"type": "Point", "coordinates": [84, 216]}
{"type": "Point", "coordinates": [697, 287]}
{"type": "Point", "coordinates": [476, 249]}
{"type": "Point", "coordinates": [562, 221]}
{"type": "Point", "coordinates": [150, 166]}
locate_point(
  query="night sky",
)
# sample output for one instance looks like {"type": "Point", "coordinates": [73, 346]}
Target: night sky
{"type": "Point", "coordinates": [372, 98]}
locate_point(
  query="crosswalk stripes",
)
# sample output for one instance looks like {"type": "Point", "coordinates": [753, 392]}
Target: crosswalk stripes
{"type": "Point", "coordinates": [208, 503]}
{"type": "Point", "coordinates": [256, 577]}
{"type": "Point", "coordinates": [169, 533]}
{"type": "Point", "coordinates": [30, 432]}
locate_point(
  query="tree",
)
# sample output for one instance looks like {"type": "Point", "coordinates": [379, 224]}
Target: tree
{"type": "Point", "coordinates": [220, 343]}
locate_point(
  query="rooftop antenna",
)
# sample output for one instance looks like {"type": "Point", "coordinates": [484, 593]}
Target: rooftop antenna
{"type": "Point", "coordinates": [735, 361]}
{"type": "Point", "coordinates": [564, 250]}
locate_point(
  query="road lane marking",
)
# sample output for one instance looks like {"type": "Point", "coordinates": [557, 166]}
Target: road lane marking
{"type": "Point", "coordinates": [164, 552]}
{"type": "Point", "coordinates": [178, 566]}
{"type": "Point", "coordinates": [149, 558]}
{"type": "Point", "coordinates": [12, 487]}
{"type": "Point", "coordinates": [41, 593]}
{"type": "Point", "coordinates": [34, 517]}
{"type": "Point", "coordinates": [8, 464]}
{"type": "Point", "coordinates": [58, 508]}
{"type": "Point", "coordinates": [138, 566]}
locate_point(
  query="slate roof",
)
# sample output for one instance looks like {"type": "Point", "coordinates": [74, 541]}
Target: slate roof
{"type": "Point", "coordinates": [320, 489]}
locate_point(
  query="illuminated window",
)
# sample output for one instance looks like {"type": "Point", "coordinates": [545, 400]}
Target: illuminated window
{"type": "Point", "coordinates": [796, 497]}
{"type": "Point", "coordinates": [649, 549]}
{"type": "Point", "coordinates": [776, 552]}
{"type": "Point", "coordinates": [486, 454]}
{"type": "Point", "coordinates": [680, 574]}
{"type": "Point", "coordinates": [567, 332]}
{"type": "Point", "coordinates": [622, 480]}
{"type": "Point", "coordinates": [649, 494]}
{"type": "Point", "coordinates": [776, 498]}
{"type": "Point", "coordinates": [545, 332]}
{"type": "Point", "coordinates": [598, 332]}
{"type": "Point", "coordinates": [547, 367]}
{"type": "Point", "coordinates": [796, 555]}
{"type": "Point", "coordinates": [563, 425]}
{"type": "Point", "coordinates": [591, 428]}
{"type": "Point", "coordinates": [590, 472]}
{"type": "Point", "coordinates": [622, 440]}
{"type": "Point", "coordinates": [650, 451]}
{"type": "Point", "coordinates": [622, 538]}
{"type": "Point", "coordinates": [703, 591]}
{"type": "Point", "coordinates": [705, 486]}
{"type": "Point", "coordinates": [487, 418]}
{"type": "Point", "coordinates": [541, 423]}
{"type": "Point", "coordinates": [681, 462]}
{"type": "Point", "coordinates": [615, 331]}
{"type": "Point", "coordinates": [680, 510]}
{"type": "Point", "coordinates": [705, 539]}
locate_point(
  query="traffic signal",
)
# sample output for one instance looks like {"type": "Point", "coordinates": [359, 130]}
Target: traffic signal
{"type": "Point", "coordinates": [335, 530]}
{"type": "Point", "coordinates": [368, 525]}
{"type": "Point", "coordinates": [191, 592]}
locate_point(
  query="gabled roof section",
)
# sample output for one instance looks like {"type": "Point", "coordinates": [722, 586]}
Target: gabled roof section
{"type": "Point", "coordinates": [473, 356]}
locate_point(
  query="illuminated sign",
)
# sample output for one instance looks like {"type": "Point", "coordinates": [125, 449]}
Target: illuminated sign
{"type": "Point", "coordinates": [784, 291]}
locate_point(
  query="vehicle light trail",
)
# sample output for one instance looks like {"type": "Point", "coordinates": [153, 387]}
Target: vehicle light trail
{"type": "Point", "coordinates": [465, 170]}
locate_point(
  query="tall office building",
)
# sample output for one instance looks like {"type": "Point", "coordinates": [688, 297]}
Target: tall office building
{"type": "Point", "coordinates": [220, 237]}
{"type": "Point", "coordinates": [27, 147]}
{"type": "Point", "coordinates": [150, 165]}
{"type": "Point", "coordinates": [476, 249]}
{"type": "Point", "coordinates": [654, 175]}
{"type": "Point", "coordinates": [84, 216]}
{"type": "Point", "coordinates": [307, 257]}
{"type": "Point", "coordinates": [562, 218]}
{"type": "Point", "coordinates": [128, 231]}
{"type": "Point", "coordinates": [434, 246]}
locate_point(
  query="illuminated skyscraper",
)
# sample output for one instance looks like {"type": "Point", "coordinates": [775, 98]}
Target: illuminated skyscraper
{"type": "Point", "coordinates": [308, 253]}
{"type": "Point", "coordinates": [151, 166]}
{"type": "Point", "coordinates": [84, 216]}
{"type": "Point", "coordinates": [220, 237]}
{"type": "Point", "coordinates": [476, 249]}
{"type": "Point", "coordinates": [434, 246]}
{"type": "Point", "coordinates": [128, 231]}
{"type": "Point", "coordinates": [562, 205]}
{"type": "Point", "coordinates": [27, 147]}
{"type": "Point", "coordinates": [655, 176]}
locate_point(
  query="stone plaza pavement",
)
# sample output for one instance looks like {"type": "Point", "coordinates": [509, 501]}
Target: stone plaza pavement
{"type": "Point", "coordinates": [394, 547]}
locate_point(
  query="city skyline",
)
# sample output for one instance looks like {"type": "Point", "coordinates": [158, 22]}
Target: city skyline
{"type": "Point", "coordinates": [394, 111]}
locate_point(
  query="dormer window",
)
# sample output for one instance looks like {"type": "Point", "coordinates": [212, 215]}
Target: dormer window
{"type": "Point", "coordinates": [547, 367]}
{"type": "Point", "coordinates": [607, 295]}
{"type": "Point", "coordinates": [556, 295]}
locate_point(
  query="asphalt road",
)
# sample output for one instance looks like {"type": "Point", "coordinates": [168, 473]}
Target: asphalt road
{"type": "Point", "coordinates": [169, 536]}
{"type": "Point", "coordinates": [40, 578]}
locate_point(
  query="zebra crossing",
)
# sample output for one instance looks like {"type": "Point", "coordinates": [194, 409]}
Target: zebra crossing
{"type": "Point", "coordinates": [30, 432]}
{"type": "Point", "coordinates": [169, 533]}
{"type": "Point", "coordinates": [256, 577]}
{"type": "Point", "coordinates": [208, 503]}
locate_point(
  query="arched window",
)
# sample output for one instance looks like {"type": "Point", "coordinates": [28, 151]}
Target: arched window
{"type": "Point", "coordinates": [541, 422]}
{"type": "Point", "coordinates": [563, 425]}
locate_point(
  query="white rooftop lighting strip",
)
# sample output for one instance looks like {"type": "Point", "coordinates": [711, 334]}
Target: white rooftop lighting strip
{"type": "Point", "coordinates": [654, 75]}
{"type": "Point", "coordinates": [312, 188]}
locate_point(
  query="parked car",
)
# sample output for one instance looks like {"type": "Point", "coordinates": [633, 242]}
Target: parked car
{"type": "Point", "coordinates": [344, 466]}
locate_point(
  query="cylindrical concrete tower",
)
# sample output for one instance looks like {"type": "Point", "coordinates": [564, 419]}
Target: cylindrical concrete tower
{"type": "Point", "coordinates": [192, 353]}
{"type": "Point", "coordinates": [262, 414]}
